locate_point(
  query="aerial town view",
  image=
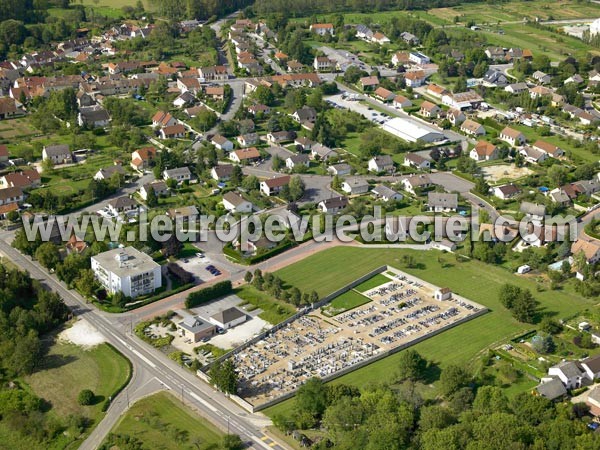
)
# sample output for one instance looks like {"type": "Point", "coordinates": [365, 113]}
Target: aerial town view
{"type": "Point", "coordinates": [277, 224]}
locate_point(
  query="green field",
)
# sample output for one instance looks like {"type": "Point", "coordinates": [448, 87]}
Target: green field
{"type": "Point", "coordinates": [371, 283]}
{"type": "Point", "coordinates": [67, 369]}
{"type": "Point", "coordinates": [345, 302]}
{"type": "Point", "coordinates": [475, 280]}
{"type": "Point", "coordinates": [274, 311]}
{"type": "Point", "coordinates": [162, 422]}
{"type": "Point", "coordinates": [63, 373]}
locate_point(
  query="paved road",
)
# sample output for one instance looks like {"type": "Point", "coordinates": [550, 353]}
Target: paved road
{"type": "Point", "coordinates": [149, 364]}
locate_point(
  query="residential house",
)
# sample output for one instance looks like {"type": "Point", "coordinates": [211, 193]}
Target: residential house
{"type": "Point", "coordinates": [473, 128]}
{"type": "Point", "coordinates": [381, 163]}
{"type": "Point", "coordinates": [213, 73]}
{"type": "Point", "coordinates": [173, 132]}
{"type": "Point", "coordinates": [322, 28]}
{"type": "Point", "coordinates": [550, 149]}
{"type": "Point", "coordinates": [11, 195]}
{"type": "Point", "coordinates": [183, 214]}
{"type": "Point", "coordinates": [179, 174]}
{"type": "Point", "coordinates": [222, 143]}
{"type": "Point", "coordinates": [8, 108]}
{"type": "Point", "coordinates": [409, 38]}
{"type": "Point", "coordinates": [577, 79]}
{"type": "Point", "coordinates": [442, 202]}
{"type": "Point", "coordinates": [248, 139]}
{"type": "Point", "coordinates": [184, 99]}
{"type": "Point", "coordinates": [590, 248]}
{"type": "Point", "coordinates": [383, 94]}
{"type": "Point", "coordinates": [305, 114]}
{"type": "Point", "coordinates": [93, 116]}
{"type": "Point", "coordinates": [106, 173]}
{"type": "Point", "coordinates": [456, 117]}
{"type": "Point", "coordinates": [142, 159]}
{"type": "Point", "coordinates": [278, 137]}
{"type": "Point", "coordinates": [430, 110]}
{"type": "Point", "coordinates": [295, 161]}
{"type": "Point", "coordinates": [163, 119]}
{"type": "Point", "coordinates": [273, 186]}
{"type": "Point", "coordinates": [400, 58]}
{"type": "Point", "coordinates": [339, 169]}
{"type": "Point", "coordinates": [236, 204]}
{"type": "Point", "coordinates": [401, 102]}
{"type": "Point", "coordinates": [436, 91]}
{"type": "Point", "coordinates": [259, 108]}
{"type": "Point", "coordinates": [303, 144]}
{"type": "Point", "coordinates": [380, 38]}
{"type": "Point", "coordinates": [415, 79]}
{"type": "Point", "coordinates": [570, 373]}
{"type": "Point", "coordinates": [250, 154]}
{"type": "Point", "coordinates": [221, 172]}
{"type": "Point", "coordinates": [552, 389]}
{"type": "Point", "coordinates": [507, 191]}
{"type": "Point", "coordinates": [386, 194]}
{"type": "Point", "coordinates": [25, 179]}
{"type": "Point", "coordinates": [495, 53]}
{"type": "Point", "coordinates": [323, 63]}
{"type": "Point", "coordinates": [333, 205]}
{"type": "Point", "coordinates": [159, 187]}
{"type": "Point", "coordinates": [516, 88]}
{"type": "Point", "coordinates": [484, 151]}
{"type": "Point", "coordinates": [368, 83]}
{"type": "Point", "coordinates": [294, 66]}
{"type": "Point", "coordinates": [591, 366]}
{"type": "Point", "coordinates": [540, 91]}
{"type": "Point", "coordinates": [121, 205]}
{"type": "Point", "coordinates": [363, 32]}
{"type": "Point", "coordinates": [495, 78]}
{"type": "Point", "coordinates": [355, 186]}
{"type": "Point", "coordinates": [416, 161]}
{"type": "Point", "coordinates": [322, 152]}
{"type": "Point", "coordinates": [418, 58]}
{"type": "Point", "coordinates": [216, 93]}
{"type": "Point", "coordinates": [58, 154]}
{"type": "Point", "coordinates": [533, 155]}
{"type": "Point", "coordinates": [533, 211]}
{"type": "Point", "coordinates": [416, 182]}
{"type": "Point", "coordinates": [512, 136]}
{"type": "Point", "coordinates": [541, 77]}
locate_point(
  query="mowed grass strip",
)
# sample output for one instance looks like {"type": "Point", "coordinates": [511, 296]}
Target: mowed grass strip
{"type": "Point", "coordinates": [345, 302]}
{"type": "Point", "coordinates": [163, 422]}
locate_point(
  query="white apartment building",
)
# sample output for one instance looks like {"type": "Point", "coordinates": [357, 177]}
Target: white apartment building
{"type": "Point", "coordinates": [127, 270]}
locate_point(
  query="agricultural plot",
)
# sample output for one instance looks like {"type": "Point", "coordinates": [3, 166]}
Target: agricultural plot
{"type": "Point", "coordinates": [394, 311]}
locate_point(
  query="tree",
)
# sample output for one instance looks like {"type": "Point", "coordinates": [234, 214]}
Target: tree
{"type": "Point", "coordinates": [231, 442]}
{"type": "Point", "coordinates": [85, 397]}
{"type": "Point", "coordinates": [543, 344]}
{"type": "Point", "coordinates": [48, 256]}
{"type": "Point", "coordinates": [435, 416]}
{"type": "Point", "coordinates": [452, 379]}
{"type": "Point", "coordinates": [248, 277]}
{"type": "Point", "coordinates": [172, 246]}
{"type": "Point", "coordinates": [311, 398]}
{"type": "Point", "coordinates": [85, 283]}
{"type": "Point", "coordinates": [251, 183]}
{"type": "Point", "coordinates": [151, 198]}
{"type": "Point", "coordinates": [296, 188]}
{"type": "Point", "coordinates": [558, 174]}
{"type": "Point", "coordinates": [411, 366]}
{"type": "Point", "coordinates": [236, 175]}
{"type": "Point", "coordinates": [224, 376]}
{"type": "Point", "coordinates": [276, 163]}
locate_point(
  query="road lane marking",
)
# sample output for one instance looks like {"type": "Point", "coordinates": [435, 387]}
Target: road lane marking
{"type": "Point", "coordinates": [258, 441]}
{"type": "Point", "coordinates": [203, 402]}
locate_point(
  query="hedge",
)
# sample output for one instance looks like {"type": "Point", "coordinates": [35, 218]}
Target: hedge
{"type": "Point", "coordinates": [209, 293]}
{"type": "Point", "coordinates": [107, 402]}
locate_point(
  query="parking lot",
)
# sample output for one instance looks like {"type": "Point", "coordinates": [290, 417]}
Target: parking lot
{"type": "Point", "coordinates": [198, 266]}
{"type": "Point", "coordinates": [401, 311]}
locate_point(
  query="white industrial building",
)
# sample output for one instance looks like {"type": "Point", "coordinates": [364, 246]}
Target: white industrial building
{"type": "Point", "coordinates": [228, 318]}
{"type": "Point", "coordinates": [412, 131]}
{"type": "Point", "coordinates": [127, 270]}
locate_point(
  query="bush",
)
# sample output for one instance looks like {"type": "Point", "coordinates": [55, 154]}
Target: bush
{"type": "Point", "coordinates": [207, 294]}
{"type": "Point", "coordinates": [86, 397]}
{"type": "Point", "coordinates": [181, 274]}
